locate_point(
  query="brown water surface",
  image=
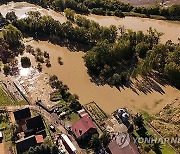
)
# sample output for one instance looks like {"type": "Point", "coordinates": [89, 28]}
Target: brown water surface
{"type": "Point", "coordinates": [74, 74]}
{"type": "Point", "coordinates": [149, 96]}
{"type": "Point", "coordinates": [170, 29]}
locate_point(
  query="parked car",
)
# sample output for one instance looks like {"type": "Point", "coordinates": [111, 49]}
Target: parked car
{"type": "Point", "coordinates": [52, 128]}
{"type": "Point", "coordinates": [61, 151]}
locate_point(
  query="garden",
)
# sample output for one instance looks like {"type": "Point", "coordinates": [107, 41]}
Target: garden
{"type": "Point", "coordinates": [96, 113]}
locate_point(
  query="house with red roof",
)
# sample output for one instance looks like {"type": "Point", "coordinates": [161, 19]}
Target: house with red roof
{"type": "Point", "coordinates": [83, 128]}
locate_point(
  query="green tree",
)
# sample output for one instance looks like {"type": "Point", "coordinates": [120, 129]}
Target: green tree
{"type": "Point", "coordinates": [12, 35]}
{"type": "Point", "coordinates": [141, 49]}
{"type": "Point", "coordinates": [138, 120]}
{"type": "Point", "coordinates": [6, 69]}
{"type": "Point", "coordinates": [105, 138]}
{"type": "Point", "coordinates": [69, 14]}
{"type": "Point", "coordinates": [11, 16]}
{"type": "Point", "coordinates": [95, 141]}
{"type": "Point", "coordinates": [25, 62]}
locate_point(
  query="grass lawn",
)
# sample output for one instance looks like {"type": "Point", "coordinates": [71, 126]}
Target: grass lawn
{"type": "Point", "coordinates": [73, 117]}
{"type": "Point", "coordinates": [5, 100]}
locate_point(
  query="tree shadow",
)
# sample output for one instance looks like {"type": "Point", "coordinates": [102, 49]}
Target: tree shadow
{"type": "Point", "coordinates": [148, 85]}
{"type": "Point", "coordinates": [142, 132]}
{"type": "Point", "coordinates": [72, 46]}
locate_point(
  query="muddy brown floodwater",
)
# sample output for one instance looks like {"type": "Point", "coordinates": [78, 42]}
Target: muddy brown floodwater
{"type": "Point", "coordinates": [149, 96]}
{"type": "Point", "coordinates": [170, 29]}
{"type": "Point", "coordinates": [74, 74]}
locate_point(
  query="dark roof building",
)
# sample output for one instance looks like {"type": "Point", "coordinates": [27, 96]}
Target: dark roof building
{"type": "Point", "coordinates": [22, 115]}
{"type": "Point", "coordinates": [129, 149]}
{"type": "Point", "coordinates": [35, 124]}
{"type": "Point", "coordinates": [83, 127]}
{"type": "Point", "coordinates": [31, 141]}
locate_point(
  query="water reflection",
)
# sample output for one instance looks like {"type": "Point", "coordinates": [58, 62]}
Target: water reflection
{"type": "Point", "coordinates": [24, 71]}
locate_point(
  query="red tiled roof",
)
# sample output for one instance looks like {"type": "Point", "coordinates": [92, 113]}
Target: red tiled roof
{"type": "Point", "coordinates": [39, 139]}
{"type": "Point", "coordinates": [82, 126]}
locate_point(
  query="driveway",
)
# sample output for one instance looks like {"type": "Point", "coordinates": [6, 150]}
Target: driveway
{"type": "Point", "coordinates": [2, 148]}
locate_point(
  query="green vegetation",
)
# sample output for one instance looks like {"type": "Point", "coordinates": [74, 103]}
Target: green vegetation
{"type": "Point", "coordinates": [143, 130]}
{"type": "Point", "coordinates": [73, 117]}
{"type": "Point", "coordinates": [5, 99]}
{"type": "Point", "coordinates": [25, 62]}
{"type": "Point", "coordinates": [55, 96]}
{"type": "Point", "coordinates": [43, 149]}
{"type": "Point", "coordinates": [69, 101]}
{"type": "Point", "coordinates": [7, 130]}
{"type": "Point", "coordinates": [96, 113]}
{"type": "Point", "coordinates": [166, 122]}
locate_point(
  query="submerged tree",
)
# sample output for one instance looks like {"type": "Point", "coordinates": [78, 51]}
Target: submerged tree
{"type": "Point", "coordinates": [25, 62]}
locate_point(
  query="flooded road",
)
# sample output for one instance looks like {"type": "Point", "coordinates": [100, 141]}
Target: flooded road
{"type": "Point", "coordinates": [170, 29]}
{"type": "Point", "coordinates": [74, 74]}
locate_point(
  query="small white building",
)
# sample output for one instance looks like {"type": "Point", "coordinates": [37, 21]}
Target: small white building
{"type": "Point", "coordinates": [68, 144]}
{"type": "Point", "coordinates": [1, 135]}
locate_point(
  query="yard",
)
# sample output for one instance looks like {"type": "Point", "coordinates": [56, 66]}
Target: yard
{"type": "Point", "coordinates": [148, 132]}
{"type": "Point", "coordinates": [96, 113]}
{"type": "Point", "coordinates": [5, 100]}
{"type": "Point", "coordinates": [6, 129]}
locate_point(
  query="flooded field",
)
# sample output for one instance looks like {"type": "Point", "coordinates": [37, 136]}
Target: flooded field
{"type": "Point", "coordinates": [143, 95]}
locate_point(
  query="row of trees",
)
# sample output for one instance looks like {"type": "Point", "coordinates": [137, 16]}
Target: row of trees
{"type": "Point", "coordinates": [38, 25]}
{"type": "Point", "coordinates": [63, 90]}
{"type": "Point", "coordinates": [43, 150]}
{"type": "Point", "coordinates": [109, 7]}
{"type": "Point", "coordinates": [172, 12]}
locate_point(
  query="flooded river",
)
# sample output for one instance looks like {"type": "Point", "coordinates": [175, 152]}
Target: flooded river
{"type": "Point", "coordinates": [170, 29]}
{"type": "Point", "coordinates": [74, 73]}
